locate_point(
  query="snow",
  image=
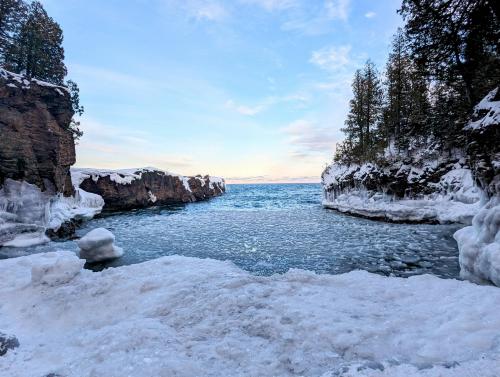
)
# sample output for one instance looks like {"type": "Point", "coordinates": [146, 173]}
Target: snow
{"type": "Point", "coordinates": [178, 316]}
{"type": "Point", "coordinates": [456, 199]}
{"type": "Point", "coordinates": [25, 83]}
{"type": "Point", "coordinates": [479, 246]}
{"type": "Point", "coordinates": [486, 113]}
{"type": "Point", "coordinates": [98, 245]}
{"type": "Point", "coordinates": [120, 176]}
{"type": "Point", "coordinates": [217, 182]}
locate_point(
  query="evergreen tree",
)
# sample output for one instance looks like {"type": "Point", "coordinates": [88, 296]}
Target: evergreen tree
{"type": "Point", "coordinates": [12, 13]}
{"type": "Point", "coordinates": [37, 49]}
{"type": "Point", "coordinates": [362, 123]}
{"type": "Point", "coordinates": [458, 42]}
{"type": "Point", "coordinates": [406, 95]}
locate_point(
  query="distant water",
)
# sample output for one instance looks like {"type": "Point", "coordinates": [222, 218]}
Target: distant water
{"type": "Point", "coordinates": [268, 229]}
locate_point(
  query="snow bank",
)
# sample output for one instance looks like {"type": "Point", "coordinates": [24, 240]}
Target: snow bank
{"type": "Point", "coordinates": [479, 246]}
{"type": "Point", "coordinates": [178, 316]}
{"type": "Point", "coordinates": [98, 245]}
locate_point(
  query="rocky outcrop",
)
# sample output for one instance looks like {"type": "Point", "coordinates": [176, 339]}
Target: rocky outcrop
{"type": "Point", "coordinates": [424, 184]}
{"type": "Point", "coordinates": [139, 188]}
{"type": "Point", "coordinates": [36, 145]}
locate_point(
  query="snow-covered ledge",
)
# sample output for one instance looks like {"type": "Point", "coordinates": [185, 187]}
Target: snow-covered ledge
{"type": "Point", "coordinates": [200, 317]}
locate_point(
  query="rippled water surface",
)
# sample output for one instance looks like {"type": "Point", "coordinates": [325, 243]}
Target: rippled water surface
{"type": "Point", "coordinates": [269, 229]}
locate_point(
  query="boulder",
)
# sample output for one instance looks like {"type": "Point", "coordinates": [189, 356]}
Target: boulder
{"type": "Point", "coordinates": [7, 342]}
{"type": "Point", "coordinates": [98, 245]}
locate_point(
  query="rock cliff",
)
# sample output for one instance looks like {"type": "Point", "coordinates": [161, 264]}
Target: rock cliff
{"type": "Point", "coordinates": [139, 188]}
{"type": "Point", "coordinates": [36, 144]}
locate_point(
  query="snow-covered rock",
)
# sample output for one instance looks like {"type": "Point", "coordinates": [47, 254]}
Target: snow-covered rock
{"type": "Point", "coordinates": [479, 246]}
{"type": "Point", "coordinates": [178, 316]}
{"type": "Point", "coordinates": [98, 245]}
{"type": "Point", "coordinates": [403, 193]}
{"type": "Point", "coordinates": [143, 187]}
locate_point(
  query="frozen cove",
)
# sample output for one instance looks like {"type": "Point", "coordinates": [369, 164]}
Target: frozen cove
{"type": "Point", "coordinates": [179, 316]}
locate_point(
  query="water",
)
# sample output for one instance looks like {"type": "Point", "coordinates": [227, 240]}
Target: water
{"type": "Point", "coordinates": [268, 229]}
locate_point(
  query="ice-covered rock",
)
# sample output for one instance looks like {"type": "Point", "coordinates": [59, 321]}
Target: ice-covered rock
{"type": "Point", "coordinates": [479, 246]}
{"type": "Point", "coordinates": [98, 245]}
{"type": "Point", "coordinates": [178, 316]}
{"type": "Point", "coordinates": [55, 268]}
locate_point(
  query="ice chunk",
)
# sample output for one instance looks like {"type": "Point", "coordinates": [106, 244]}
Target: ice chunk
{"type": "Point", "coordinates": [98, 245]}
{"type": "Point", "coordinates": [479, 246]}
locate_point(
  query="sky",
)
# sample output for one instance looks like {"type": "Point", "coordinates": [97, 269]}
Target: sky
{"type": "Point", "coordinates": [250, 90]}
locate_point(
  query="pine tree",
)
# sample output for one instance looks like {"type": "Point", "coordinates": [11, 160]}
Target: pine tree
{"type": "Point", "coordinates": [12, 13]}
{"type": "Point", "coordinates": [406, 95]}
{"type": "Point", "coordinates": [372, 107]}
{"type": "Point", "coordinates": [37, 49]}
{"type": "Point", "coordinates": [458, 42]}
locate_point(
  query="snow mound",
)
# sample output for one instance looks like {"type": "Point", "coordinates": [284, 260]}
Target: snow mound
{"type": "Point", "coordinates": [479, 246]}
{"type": "Point", "coordinates": [55, 268]}
{"type": "Point", "coordinates": [178, 316]}
{"type": "Point", "coordinates": [98, 245]}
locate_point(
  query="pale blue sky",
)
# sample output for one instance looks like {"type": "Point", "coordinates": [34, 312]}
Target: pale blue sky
{"type": "Point", "coordinates": [250, 89]}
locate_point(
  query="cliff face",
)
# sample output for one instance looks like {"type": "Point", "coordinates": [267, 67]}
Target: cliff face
{"type": "Point", "coordinates": [35, 144]}
{"type": "Point", "coordinates": [424, 184]}
{"type": "Point", "coordinates": [139, 188]}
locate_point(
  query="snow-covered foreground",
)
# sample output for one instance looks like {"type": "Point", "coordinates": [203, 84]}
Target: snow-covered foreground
{"type": "Point", "coordinates": [178, 316]}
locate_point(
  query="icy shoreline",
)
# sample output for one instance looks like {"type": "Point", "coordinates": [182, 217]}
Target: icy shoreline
{"type": "Point", "coordinates": [190, 317]}
{"type": "Point", "coordinates": [435, 211]}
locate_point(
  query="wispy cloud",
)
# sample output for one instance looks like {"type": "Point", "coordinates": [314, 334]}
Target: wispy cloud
{"type": "Point", "coordinates": [271, 5]}
{"type": "Point", "coordinates": [308, 138]}
{"type": "Point", "coordinates": [370, 14]}
{"type": "Point", "coordinates": [331, 58]}
{"type": "Point", "coordinates": [200, 10]}
{"type": "Point", "coordinates": [316, 20]}
{"type": "Point", "coordinates": [337, 9]}
{"type": "Point", "coordinates": [251, 110]}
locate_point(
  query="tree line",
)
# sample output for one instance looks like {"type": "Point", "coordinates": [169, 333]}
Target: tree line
{"type": "Point", "coordinates": [444, 61]}
{"type": "Point", "coordinates": [31, 45]}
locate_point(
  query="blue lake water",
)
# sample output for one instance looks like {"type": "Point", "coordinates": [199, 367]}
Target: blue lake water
{"type": "Point", "coordinates": [271, 228]}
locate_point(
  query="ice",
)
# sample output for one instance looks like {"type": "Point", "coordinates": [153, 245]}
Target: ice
{"type": "Point", "coordinates": [178, 316]}
{"type": "Point", "coordinates": [120, 176]}
{"type": "Point", "coordinates": [479, 246]}
{"type": "Point", "coordinates": [97, 246]}
{"type": "Point", "coordinates": [82, 206]}
{"type": "Point", "coordinates": [26, 212]}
